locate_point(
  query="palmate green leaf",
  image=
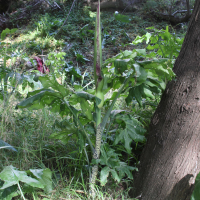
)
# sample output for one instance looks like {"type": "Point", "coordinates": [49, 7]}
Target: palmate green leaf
{"type": "Point", "coordinates": [152, 47]}
{"type": "Point", "coordinates": [104, 175]}
{"type": "Point", "coordinates": [49, 81]}
{"type": "Point", "coordinates": [85, 120]}
{"type": "Point", "coordinates": [111, 60]}
{"type": "Point", "coordinates": [103, 158]}
{"type": "Point", "coordinates": [67, 131]}
{"type": "Point", "coordinates": [121, 65]}
{"type": "Point", "coordinates": [155, 66]}
{"type": "Point", "coordinates": [114, 166]}
{"type": "Point", "coordinates": [123, 60]}
{"type": "Point", "coordinates": [148, 92]}
{"type": "Point", "coordinates": [38, 99]}
{"type": "Point", "coordinates": [141, 51]}
{"type": "Point", "coordinates": [115, 176]}
{"type": "Point", "coordinates": [63, 136]}
{"type": "Point", "coordinates": [36, 96]}
{"type": "Point", "coordinates": [11, 176]}
{"type": "Point", "coordinates": [153, 80]}
{"type": "Point", "coordinates": [45, 177]}
{"type": "Point", "coordinates": [124, 169]}
{"type": "Point", "coordinates": [74, 99]}
{"type": "Point", "coordinates": [116, 83]}
{"type": "Point", "coordinates": [147, 89]}
{"type": "Point", "coordinates": [156, 86]}
{"type": "Point", "coordinates": [159, 66]}
{"type": "Point", "coordinates": [136, 92]}
{"type": "Point", "coordinates": [140, 39]}
{"type": "Point", "coordinates": [133, 131]}
{"type": "Point", "coordinates": [141, 74]}
{"type": "Point", "coordinates": [108, 156]}
{"type": "Point", "coordinates": [9, 193]}
{"type": "Point", "coordinates": [86, 108]}
{"type": "Point", "coordinates": [89, 96]}
{"type": "Point", "coordinates": [128, 54]}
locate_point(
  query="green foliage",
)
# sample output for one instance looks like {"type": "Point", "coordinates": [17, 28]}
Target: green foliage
{"type": "Point", "coordinates": [7, 31]}
{"type": "Point", "coordinates": [47, 26]}
{"type": "Point", "coordinates": [6, 145]}
{"type": "Point", "coordinates": [133, 131]}
{"type": "Point", "coordinates": [162, 42]}
{"type": "Point", "coordinates": [146, 75]}
{"type": "Point", "coordinates": [80, 58]}
{"type": "Point", "coordinates": [13, 179]}
{"type": "Point", "coordinates": [56, 62]}
{"type": "Point", "coordinates": [196, 192]}
{"type": "Point", "coordinates": [85, 32]}
{"type": "Point", "coordinates": [110, 159]}
{"type": "Point", "coordinates": [122, 18]}
{"type": "Point", "coordinates": [149, 75]}
{"type": "Point", "coordinates": [9, 78]}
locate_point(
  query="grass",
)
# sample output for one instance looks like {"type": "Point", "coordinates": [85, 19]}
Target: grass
{"type": "Point", "coordinates": [29, 131]}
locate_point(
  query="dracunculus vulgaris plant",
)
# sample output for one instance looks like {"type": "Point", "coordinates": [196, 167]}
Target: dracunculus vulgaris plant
{"type": "Point", "coordinates": [62, 99]}
{"type": "Point", "coordinates": [99, 83]}
{"type": "Point", "coordinates": [135, 78]}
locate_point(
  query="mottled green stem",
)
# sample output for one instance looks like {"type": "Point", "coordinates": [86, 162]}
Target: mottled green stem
{"type": "Point", "coordinates": [96, 155]}
{"type": "Point", "coordinates": [99, 132]}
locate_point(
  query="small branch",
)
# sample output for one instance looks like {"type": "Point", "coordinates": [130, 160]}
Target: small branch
{"type": "Point", "coordinates": [66, 18]}
{"type": "Point", "coordinates": [180, 11]}
{"type": "Point", "coordinates": [172, 18]}
{"type": "Point", "coordinates": [57, 5]}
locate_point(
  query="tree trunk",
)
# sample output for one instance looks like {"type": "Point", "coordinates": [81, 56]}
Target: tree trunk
{"type": "Point", "coordinates": [170, 160]}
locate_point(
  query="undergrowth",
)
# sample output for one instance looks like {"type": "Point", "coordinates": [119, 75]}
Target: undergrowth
{"type": "Point", "coordinates": [28, 131]}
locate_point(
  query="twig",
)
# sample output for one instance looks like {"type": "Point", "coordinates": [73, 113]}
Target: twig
{"type": "Point", "coordinates": [66, 18]}
{"type": "Point", "coordinates": [180, 11]}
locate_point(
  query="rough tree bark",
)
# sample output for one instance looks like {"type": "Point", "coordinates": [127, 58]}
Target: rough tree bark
{"type": "Point", "coordinates": [170, 160]}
